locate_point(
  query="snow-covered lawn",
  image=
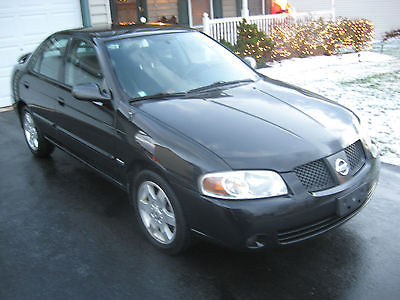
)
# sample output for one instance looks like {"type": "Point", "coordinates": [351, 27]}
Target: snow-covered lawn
{"type": "Point", "coordinates": [369, 85]}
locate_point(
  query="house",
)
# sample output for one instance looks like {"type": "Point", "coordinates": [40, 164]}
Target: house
{"type": "Point", "coordinates": [186, 12]}
{"type": "Point", "coordinates": [385, 14]}
{"type": "Point", "coordinates": [24, 23]}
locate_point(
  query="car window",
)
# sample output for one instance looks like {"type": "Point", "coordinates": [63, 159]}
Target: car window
{"type": "Point", "coordinates": [50, 59]}
{"type": "Point", "coordinates": [82, 65]}
{"type": "Point", "coordinates": [175, 62]}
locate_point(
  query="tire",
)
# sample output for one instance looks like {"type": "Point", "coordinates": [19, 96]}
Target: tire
{"type": "Point", "coordinates": [34, 138]}
{"type": "Point", "coordinates": [159, 213]}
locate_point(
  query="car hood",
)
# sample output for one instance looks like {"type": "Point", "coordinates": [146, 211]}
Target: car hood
{"type": "Point", "coordinates": [263, 125]}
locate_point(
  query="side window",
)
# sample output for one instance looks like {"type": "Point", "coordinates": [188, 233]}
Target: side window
{"type": "Point", "coordinates": [50, 59]}
{"type": "Point", "coordinates": [82, 65]}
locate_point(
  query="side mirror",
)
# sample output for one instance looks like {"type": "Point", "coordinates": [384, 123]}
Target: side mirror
{"type": "Point", "coordinates": [89, 92]}
{"type": "Point", "coordinates": [250, 61]}
{"type": "Point", "coordinates": [22, 59]}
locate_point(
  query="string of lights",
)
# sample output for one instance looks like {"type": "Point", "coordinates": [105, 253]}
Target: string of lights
{"type": "Point", "coordinates": [301, 40]}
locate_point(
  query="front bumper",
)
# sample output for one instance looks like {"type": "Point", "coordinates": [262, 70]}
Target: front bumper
{"type": "Point", "coordinates": [265, 223]}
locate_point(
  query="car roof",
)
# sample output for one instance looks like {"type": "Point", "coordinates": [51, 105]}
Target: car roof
{"type": "Point", "coordinates": [110, 30]}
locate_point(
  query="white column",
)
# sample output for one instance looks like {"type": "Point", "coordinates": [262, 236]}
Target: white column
{"type": "Point", "coordinates": [245, 9]}
{"type": "Point", "coordinates": [263, 7]}
{"type": "Point", "coordinates": [189, 2]}
{"type": "Point", "coordinates": [206, 23]}
{"type": "Point", "coordinates": [333, 11]}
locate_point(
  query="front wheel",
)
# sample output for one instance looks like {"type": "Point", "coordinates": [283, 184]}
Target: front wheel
{"type": "Point", "coordinates": [36, 142]}
{"type": "Point", "coordinates": [159, 213]}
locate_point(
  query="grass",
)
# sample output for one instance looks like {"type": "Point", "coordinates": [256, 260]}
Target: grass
{"type": "Point", "coordinates": [380, 81]}
{"type": "Point", "coordinates": [384, 82]}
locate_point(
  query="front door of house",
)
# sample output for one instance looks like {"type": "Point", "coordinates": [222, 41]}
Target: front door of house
{"type": "Point", "coordinates": [198, 8]}
{"type": "Point", "coordinates": [128, 11]}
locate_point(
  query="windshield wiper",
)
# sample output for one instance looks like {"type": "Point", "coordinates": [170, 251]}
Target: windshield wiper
{"type": "Point", "coordinates": [218, 84]}
{"type": "Point", "coordinates": [182, 94]}
{"type": "Point", "coordinates": [159, 96]}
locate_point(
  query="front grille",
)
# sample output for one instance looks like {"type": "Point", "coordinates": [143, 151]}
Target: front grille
{"type": "Point", "coordinates": [355, 155]}
{"type": "Point", "coordinates": [315, 176]}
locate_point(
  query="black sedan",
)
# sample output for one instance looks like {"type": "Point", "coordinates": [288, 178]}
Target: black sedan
{"type": "Point", "coordinates": [204, 145]}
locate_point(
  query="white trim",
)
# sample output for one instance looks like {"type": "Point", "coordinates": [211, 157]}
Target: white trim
{"type": "Point", "coordinates": [263, 6]}
{"type": "Point", "coordinates": [189, 2]}
{"type": "Point", "coordinates": [245, 9]}
{"type": "Point", "coordinates": [100, 12]}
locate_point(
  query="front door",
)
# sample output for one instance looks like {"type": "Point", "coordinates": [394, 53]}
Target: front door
{"type": "Point", "coordinates": [88, 125]}
{"type": "Point", "coordinates": [198, 8]}
{"type": "Point", "coordinates": [128, 11]}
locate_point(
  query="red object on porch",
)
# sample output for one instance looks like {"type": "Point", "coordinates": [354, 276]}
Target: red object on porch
{"type": "Point", "coordinates": [280, 6]}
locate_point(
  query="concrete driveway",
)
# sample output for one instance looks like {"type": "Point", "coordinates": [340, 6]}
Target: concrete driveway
{"type": "Point", "coordinates": [65, 233]}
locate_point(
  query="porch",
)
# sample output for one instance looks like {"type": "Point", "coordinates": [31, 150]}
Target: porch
{"type": "Point", "coordinates": [217, 18]}
{"type": "Point", "coordinates": [226, 28]}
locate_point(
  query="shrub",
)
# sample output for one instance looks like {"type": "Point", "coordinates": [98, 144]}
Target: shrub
{"type": "Point", "coordinates": [301, 40]}
{"type": "Point", "coordinates": [227, 44]}
{"type": "Point", "coordinates": [394, 34]}
{"type": "Point", "coordinates": [251, 42]}
{"type": "Point", "coordinates": [357, 34]}
{"type": "Point", "coordinates": [321, 38]}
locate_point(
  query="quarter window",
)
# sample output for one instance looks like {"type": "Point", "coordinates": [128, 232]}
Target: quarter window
{"type": "Point", "coordinates": [50, 60]}
{"type": "Point", "coordinates": [82, 65]}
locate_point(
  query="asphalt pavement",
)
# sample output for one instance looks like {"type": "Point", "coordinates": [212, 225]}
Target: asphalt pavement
{"type": "Point", "coordinates": [66, 233]}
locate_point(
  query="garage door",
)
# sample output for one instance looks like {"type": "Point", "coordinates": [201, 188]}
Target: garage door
{"type": "Point", "coordinates": [23, 25]}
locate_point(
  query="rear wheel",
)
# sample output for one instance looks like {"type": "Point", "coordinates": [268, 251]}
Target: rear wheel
{"type": "Point", "coordinates": [36, 142]}
{"type": "Point", "coordinates": [159, 213]}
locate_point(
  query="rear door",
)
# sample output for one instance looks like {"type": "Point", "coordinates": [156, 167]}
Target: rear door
{"type": "Point", "coordinates": [41, 86]}
{"type": "Point", "coordinates": [88, 125]}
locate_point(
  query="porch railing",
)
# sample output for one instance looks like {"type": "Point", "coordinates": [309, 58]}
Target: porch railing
{"type": "Point", "coordinates": [226, 28]}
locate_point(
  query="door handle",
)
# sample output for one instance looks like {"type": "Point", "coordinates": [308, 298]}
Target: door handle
{"type": "Point", "coordinates": [61, 101]}
{"type": "Point", "coordinates": [26, 84]}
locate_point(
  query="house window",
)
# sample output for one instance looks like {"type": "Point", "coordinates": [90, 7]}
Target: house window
{"type": "Point", "coordinates": [256, 7]}
{"type": "Point", "coordinates": [259, 7]}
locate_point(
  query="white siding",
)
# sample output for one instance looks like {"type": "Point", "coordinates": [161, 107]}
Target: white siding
{"type": "Point", "coordinates": [23, 25]}
{"type": "Point", "coordinates": [385, 14]}
{"type": "Point", "coordinates": [100, 12]}
{"type": "Point", "coordinates": [310, 5]}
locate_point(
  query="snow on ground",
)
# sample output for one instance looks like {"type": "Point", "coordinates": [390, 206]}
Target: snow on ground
{"type": "Point", "coordinates": [368, 84]}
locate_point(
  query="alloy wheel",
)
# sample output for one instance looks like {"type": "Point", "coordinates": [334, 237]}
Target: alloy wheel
{"type": "Point", "coordinates": [31, 133]}
{"type": "Point", "coordinates": [156, 212]}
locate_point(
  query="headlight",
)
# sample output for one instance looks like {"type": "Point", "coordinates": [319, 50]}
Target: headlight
{"type": "Point", "coordinates": [243, 184]}
{"type": "Point", "coordinates": [367, 141]}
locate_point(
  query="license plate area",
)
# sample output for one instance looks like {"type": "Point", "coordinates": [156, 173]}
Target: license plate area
{"type": "Point", "coordinates": [350, 202]}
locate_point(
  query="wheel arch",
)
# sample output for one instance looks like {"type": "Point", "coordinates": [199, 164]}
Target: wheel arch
{"type": "Point", "coordinates": [138, 165]}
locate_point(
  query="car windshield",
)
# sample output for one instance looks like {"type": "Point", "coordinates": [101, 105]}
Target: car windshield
{"type": "Point", "coordinates": [174, 63]}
